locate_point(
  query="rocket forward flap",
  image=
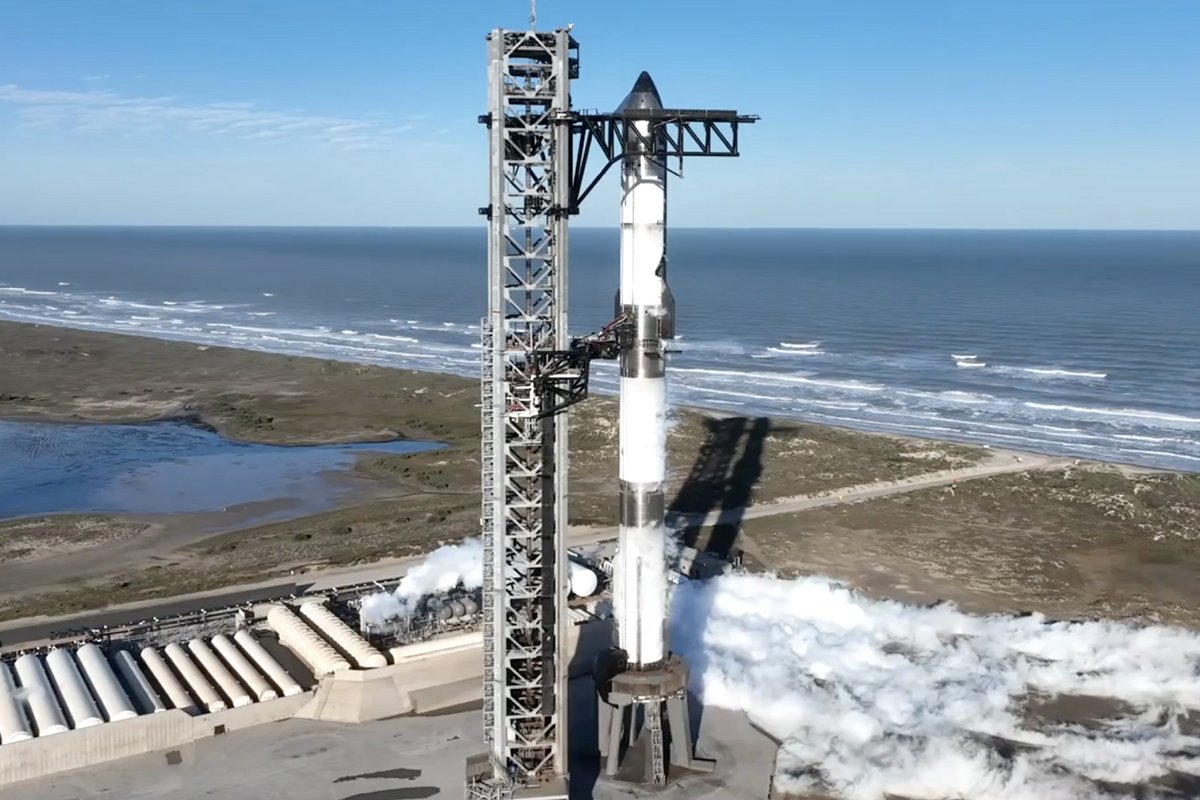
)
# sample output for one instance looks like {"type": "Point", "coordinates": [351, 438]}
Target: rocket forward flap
{"type": "Point", "coordinates": [667, 325]}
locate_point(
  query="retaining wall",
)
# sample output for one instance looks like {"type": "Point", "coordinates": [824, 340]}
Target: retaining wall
{"type": "Point", "coordinates": [37, 758]}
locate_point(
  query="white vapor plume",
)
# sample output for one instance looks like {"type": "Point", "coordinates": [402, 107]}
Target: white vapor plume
{"type": "Point", "coordinates": [874, 698]}
{"type": "Point", "coordinates": [442, 570]}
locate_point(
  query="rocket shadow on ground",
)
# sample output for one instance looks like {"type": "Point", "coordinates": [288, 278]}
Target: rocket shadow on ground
{"type": "Point", "coordinates": [722, 480]}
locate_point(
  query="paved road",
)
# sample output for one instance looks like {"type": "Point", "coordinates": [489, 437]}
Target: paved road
{"type": "Point", "coordinates": [22, 631]}
{"type": "Point", "coordinates": [25, 632]}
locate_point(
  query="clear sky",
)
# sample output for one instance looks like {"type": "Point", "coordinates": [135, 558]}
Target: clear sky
{"type": "Point", "coordinates": [913, 113]}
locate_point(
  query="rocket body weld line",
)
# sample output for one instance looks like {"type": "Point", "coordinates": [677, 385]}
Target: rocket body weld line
{"type": "Point", "coordinates": [639, 576]}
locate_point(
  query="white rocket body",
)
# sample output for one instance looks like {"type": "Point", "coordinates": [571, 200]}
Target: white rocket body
{"type": "Point", "coordinates": [639, 574]}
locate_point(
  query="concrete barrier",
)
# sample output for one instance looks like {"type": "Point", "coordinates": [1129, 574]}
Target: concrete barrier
{"type": "Point", "coordinates": [78, 749]}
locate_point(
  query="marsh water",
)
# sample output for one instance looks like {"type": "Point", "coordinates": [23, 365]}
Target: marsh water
{"type": "Point", "coordinates": [166, 467]}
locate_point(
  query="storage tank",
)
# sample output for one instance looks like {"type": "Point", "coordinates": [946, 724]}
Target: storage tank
{"type": "Point", "coordinates": [441, 610]}
{"type": "Point", "coordinates": [80, 707]}
{"type": "Point", "coordinates": [194, 678]}
{"type": "Point", "coordinates": [316, 652]}
{"type": "Point", "coordinates": [48, 718]}
{"type": "Point", "coordinates": [229, 685]}
{"type": "Point", "coordinates": [584, 580]}
{"type": "Point", "coordinates": [242, 667]}
{"type": "Point", "coordinates": [470, 607]}
{"type": "Point", "coordinates": [267, 663]}
{"type": "Point", "coordinates": [141, 691]}
{"type": "Point", "coordinates": [173, 690]}
{"type": "Point", "coordinates": [439, 646]}
{"type": "Point", "coordinates": [14, 725]}
{"type": "Point", "coordinates": [104, 684]}
{"type": "Point", "coordinates": [345, 637]}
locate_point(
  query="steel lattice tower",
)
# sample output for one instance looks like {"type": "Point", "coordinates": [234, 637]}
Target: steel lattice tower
{"type": "Point", "coordinates": [524, 451]}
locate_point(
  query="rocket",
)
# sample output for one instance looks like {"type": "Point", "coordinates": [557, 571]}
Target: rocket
{"type": "Point", "coordinates": [646, 308]}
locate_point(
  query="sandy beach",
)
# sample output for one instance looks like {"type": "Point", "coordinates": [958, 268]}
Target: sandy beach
{"type": "Point", "coordinates": [905, 518]}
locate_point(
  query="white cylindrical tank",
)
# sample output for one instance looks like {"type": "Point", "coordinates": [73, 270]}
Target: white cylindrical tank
{"type": "Point", "coordinates": [345, 637]}
{"type": "Point", "coordinates": [43, 705]}
{"type": "Point", "coordinates": [307, 643]}
{"type": "Point", "coordinates": [104, 684]}
{"type": "Point", "coordinates": [234, 691]}
{"type": "Point", "coordinates": [267, 663]}
{"type": "Point", "coordinates": [584, 581]}
{"type": "Point", "coordinates": [194, 678]}
{"type": "Point", "coordinates": [141, 691]}
{"type": "Point", "coordinates": [14, 725]}
{"type": "Point", "coordinates": [440, 646]}
{"type": "Point", "coordinates": [81, 708]}
{"type": "Point", "coordinates": [242, 667]}
{"type": "Point", "coordinates": [173, 689]}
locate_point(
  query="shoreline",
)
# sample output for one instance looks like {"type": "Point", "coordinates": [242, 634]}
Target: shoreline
{"type": "Point", "coordinates": [863, 428]}
{"type": "Point", "coordinates": [870, 508]}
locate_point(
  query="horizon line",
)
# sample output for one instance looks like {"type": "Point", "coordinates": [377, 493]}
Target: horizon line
{"type": "Point", "coordinates": [889, 228]}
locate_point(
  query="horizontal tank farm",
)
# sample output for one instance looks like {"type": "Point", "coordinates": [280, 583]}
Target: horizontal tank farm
{"type": "Point", "coordinates": [208, 661]}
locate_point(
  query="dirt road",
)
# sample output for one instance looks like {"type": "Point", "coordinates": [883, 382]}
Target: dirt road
{"type": "Point", "coordinates": [1000, 463]}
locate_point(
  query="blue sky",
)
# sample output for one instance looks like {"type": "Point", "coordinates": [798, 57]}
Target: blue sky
{"type": "Point", "coordinates": [962, 113]}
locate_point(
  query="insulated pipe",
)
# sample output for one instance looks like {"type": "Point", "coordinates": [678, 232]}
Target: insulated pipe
{"type": "Point", "coordinates": [267, 663]}
{"type": "Point", "coordinates": [14, 725]}
{"type": "Point", "coordinates": [640, 579]}
{"type": "Point", "coordinates": [432, 647]}
{"type": "Point", "coordinates": [194, 678]}
{"type": "Point", "coordinates": [65, 674]}
{"type": "Point", "coordinates": [316, 652]}
{"type": "Point", "coordinates": [104, 684]}
{"type": "Point", "coordinates": [233, 691]}
{"type": "Point", "coordinates": [360, 651]}
{"type": "Point", "coordinates": [242, 667]}
{"type": "Point", "coordinates": [48, 717]}
{"type": "Point", "coordinates": [141, 691]}
{"type": "Point", "coordinates": [171, 686]}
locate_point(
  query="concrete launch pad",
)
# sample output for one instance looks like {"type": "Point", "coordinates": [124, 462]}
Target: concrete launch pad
{"type": "Point", "coordinates": [395, 759]}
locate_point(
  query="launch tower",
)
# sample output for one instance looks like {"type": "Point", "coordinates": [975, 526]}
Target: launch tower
{"type": "Point", "coordinates": [540, 153]}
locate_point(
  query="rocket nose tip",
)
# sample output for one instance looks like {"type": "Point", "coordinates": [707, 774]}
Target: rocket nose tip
{"type": "Point", "coordinates": [644, 94]}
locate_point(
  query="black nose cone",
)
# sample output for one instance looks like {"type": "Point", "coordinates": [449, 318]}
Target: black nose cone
{"type": "Point", "coordinates": [643, 96]}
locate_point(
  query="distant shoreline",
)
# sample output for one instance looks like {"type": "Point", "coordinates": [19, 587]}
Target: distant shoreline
{"type": "Point", "coordinates": [714, 411]}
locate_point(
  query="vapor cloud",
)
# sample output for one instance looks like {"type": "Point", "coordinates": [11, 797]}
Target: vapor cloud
{"type": "Point", "coordinates": [449, 566]}
{"type": "Point", "coordinates": [878, 699]}
{"type": "Point", "coordinates": [105, 111]}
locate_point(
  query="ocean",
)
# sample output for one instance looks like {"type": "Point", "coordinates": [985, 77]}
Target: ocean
{"type": "Point", "coordinates": [1074, 343]}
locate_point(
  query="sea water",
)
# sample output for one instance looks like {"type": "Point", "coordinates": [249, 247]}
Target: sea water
{"type": "Point", "coordinates": [1074, 343]}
